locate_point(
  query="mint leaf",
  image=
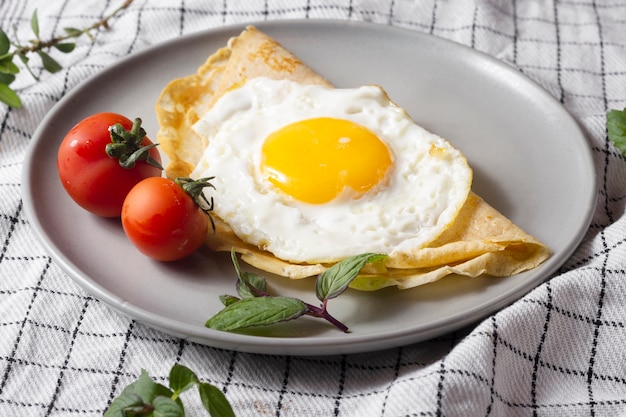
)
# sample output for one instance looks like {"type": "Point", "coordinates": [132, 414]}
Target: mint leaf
{"type": "Point", "coordinates": [166, 407]}
{"type": "Point", "coordinates": [126, 402]}
{"type": "Point", "coordinates": [146, 388]}
{"type": "Point", "coordinates": [248, 284]}
{"type": "Point", "coordinates": [146, 398]}
{"type": "Point", "coordinates": [182, 378]}
{"type": "Point", "coordinates": [616, 127]}
{"type": "Point", "coordinates": [251, 285]}
{"type": "Point", "coordinates": [214, 401]}
{"type": "Point", "coordinates": [228, 299]}
{"type": "Point", "coordinates": [257, 311]}
{"type": "Point", "coordinates": [334, 281]}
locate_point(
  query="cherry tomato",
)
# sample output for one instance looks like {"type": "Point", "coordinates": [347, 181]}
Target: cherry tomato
{"type": "Point", "coordinates": [163, 220]}
{"type": "Point", "coordinates": [95, 180]}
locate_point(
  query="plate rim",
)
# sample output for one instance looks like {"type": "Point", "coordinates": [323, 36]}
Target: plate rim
{"type": "Point", "coordinates": [317, 345]}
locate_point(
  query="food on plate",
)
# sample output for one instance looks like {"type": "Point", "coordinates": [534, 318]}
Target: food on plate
{"type": "Point", "coordinates": [165, 219]}
{"type": "Point", "coordinates": [408, 195]}
{"type": "Point", "coordinates": [301, 171]}
{"type": "Point", "coordinates": [98, 166]}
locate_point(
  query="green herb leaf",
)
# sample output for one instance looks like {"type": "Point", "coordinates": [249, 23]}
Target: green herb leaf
{"type": "Point", "coordinates": [73, 32]}
{"type": "Point", "coordinates": [147, 389]}
{"type": "Point", "coordinates": [8, 67]}
{"type": "Point", "coordinates": [6, 78]}
{"type": "Point", "coordinates": [251, 285]}
{"type": "Point", "coordinates": [166, 407]}
{"type": "Point", "coordinates": [66, 47]}
{"type": "Point", "coordinates": [146, 398]}
{"type": "Point", "coordinates": [5, 43]}
{"type": "Point", "coordinates": [248, 284]}
{"type": "Point", "coordinates": [34, 23]}
{"type": "Point", "coordinates": [257, 311]}
{"type": "Point", "coordinates": [228, 299]}
{"type": "Point", "coordinates": [128, 401]}
{"type": "Point", "coordinates": [215, 401]}
{"type": "Point", "coordinates": [23, 58]}
{"type": "Point", "coordinates": [182, 379]}
{"type": "Point", "coordinates": [616, 127]}
{"type": "Point", "coordinates": [332, 282]}
{"type": "Point", "coordinates": [9, 97]}
{"type": "Point", "coordinates": [49, 63]}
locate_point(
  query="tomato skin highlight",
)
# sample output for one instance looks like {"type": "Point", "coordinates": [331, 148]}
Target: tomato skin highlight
{"type": "Point", "coordinates": [162, 220]}
{"type": "Point", "coordinates": [94, 180]}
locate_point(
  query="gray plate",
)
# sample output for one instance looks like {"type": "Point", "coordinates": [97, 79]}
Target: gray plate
{"type": "Point", "coordinates": [531, 162]}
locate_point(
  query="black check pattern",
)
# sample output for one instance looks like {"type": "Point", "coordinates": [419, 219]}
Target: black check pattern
{"type": "Point", "coordinates": [559, 351]}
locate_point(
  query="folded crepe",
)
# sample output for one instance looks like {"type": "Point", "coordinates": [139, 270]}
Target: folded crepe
{"type": "Point", "coordinates": [481, 241]}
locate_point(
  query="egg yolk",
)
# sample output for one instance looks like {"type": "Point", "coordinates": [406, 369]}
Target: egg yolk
{"type": "Point", "coordinates": [314, 160]}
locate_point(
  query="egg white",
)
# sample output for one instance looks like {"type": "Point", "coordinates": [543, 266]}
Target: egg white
{"type": "Point", "coordinates": [421, 196]}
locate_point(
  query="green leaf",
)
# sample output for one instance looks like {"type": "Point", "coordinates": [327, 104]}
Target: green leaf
{"type": "Point", "coordinates": [9, 97]}
{"type": "Point", "coordinates": [34, 23]}
{"type": "Point", "coordinates": [257, 311]}
{"type": "Point", "coordinates": [182, 379]}
{"type": "Point", "coordinates": [228, 299]}
{"type": "Point", "coordinates": [215, 401]}
{"type": "Point", "coordinates": [49, 63]}
{"type": "Point", "coordinates": [248, 283]}
{"type": "Point", "coordinates": [146, 388]}
{"type": "Point", "coordinates": [616, 127]}
{"type": "Point", "coordinates": [6, 78]}
{"type": "Point", "coordinates": [24, 60]}
{"type": "Point", "coordinates": [73, 32]}
{"type": "Point", "coordinates": [332, 282]}
{"type": "Point", "coordinates": [65, 47]}
{"type": "Point", "coordinates": [8, 67]}
{"type": "Point", "coordinates": [251, 285]}
{"type": "Point", "coordinates": [125, 402]}
{"type": "Point", "coordinates": [5, 43]}
{"type": "Point", "coordinates": [166, 407]}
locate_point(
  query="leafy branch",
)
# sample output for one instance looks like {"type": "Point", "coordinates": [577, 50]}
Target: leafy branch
{"type": "Point", "coordinates": [11, 49]}
{"type": "Point", "coordinates": [256, 307]}
{"type": "Point", "coordinates": [147, 398]}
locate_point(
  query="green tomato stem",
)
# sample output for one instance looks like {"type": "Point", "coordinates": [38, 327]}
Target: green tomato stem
{"type": "Point", "coordinates": [127, 148]}
{"type": "Point", "coordinates": [195, 190]}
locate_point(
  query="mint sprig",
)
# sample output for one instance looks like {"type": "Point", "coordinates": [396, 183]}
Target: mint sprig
{"type": "Point", "coordinates": [147, 398]}
{"type": "Point", "coordinates": [334, 281]}
{"type": "Point", "coordinates": [257, 307]}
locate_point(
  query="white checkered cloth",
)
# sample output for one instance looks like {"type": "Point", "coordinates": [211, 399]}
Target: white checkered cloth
{"type": "Point", "coordinates": [559, 351]}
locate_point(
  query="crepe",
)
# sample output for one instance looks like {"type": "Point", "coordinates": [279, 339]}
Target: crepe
{"type": "Point", "coordinates": [481, 241]}
{"type": "Point", "coordinates": [185, 100]}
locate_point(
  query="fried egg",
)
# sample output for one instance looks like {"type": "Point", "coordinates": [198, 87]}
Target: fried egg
{"type": "Point", "coordinates": [316, 174]}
